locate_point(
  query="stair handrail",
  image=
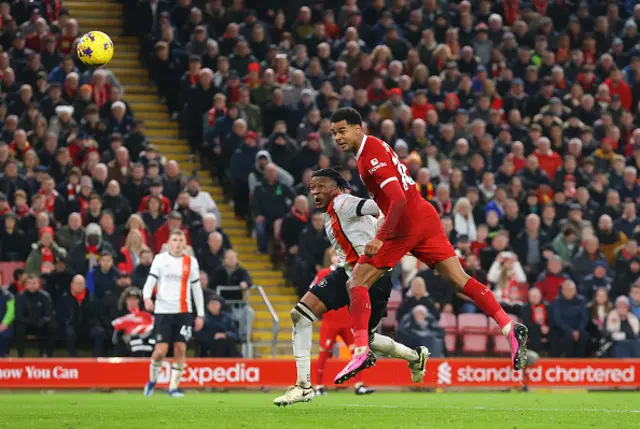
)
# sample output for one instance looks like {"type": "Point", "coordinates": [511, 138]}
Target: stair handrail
{"type": "Point", "coordinates": [274, 317]}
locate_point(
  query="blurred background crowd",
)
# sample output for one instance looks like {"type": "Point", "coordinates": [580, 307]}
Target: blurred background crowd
{"type": "Point", "coordinates": [517, 120]}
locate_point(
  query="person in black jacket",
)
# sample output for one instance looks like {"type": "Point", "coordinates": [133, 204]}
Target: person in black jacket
{"type": "Point", "coordinates": [293, 224]}
{"type": "Point", "coordinates": [141, 271]}
{"type": "Point", "coordinates": [211, 257]}
{"type": "Point", "coordinates": [218, 335]}
{"type": "Point", "coordinates": [529, 244]}
{"type": "Point", "coordinates": [13, 241]}
{"type": "Point", "coordinates": [312, 246]}
{"type": "Point", "coordinates": [77, 314]}
{"type": "Point", "coordinates": [417, 295]}
{"type": "Point", "coordinates": [34, 316]}
{"type": "Point", "coordinates": [231, 273]}
{"type": "Point", "coordinates": [102, 277]}
{"type": "Point", "coordinates": [270, 201]}
{"type": "Point", "coordinates": [201, 238]}
{"type": "Point", "coordinates": [85, 255]}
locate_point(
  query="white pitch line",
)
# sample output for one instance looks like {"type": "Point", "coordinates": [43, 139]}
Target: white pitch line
{"type": "Point", "coordinates": [481, 408]}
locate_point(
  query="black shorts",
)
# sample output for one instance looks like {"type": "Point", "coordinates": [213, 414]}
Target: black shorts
{"type": "Point", "coordinates": [332, 291]}
{"type": "Point", "coordinates": [173, 328]}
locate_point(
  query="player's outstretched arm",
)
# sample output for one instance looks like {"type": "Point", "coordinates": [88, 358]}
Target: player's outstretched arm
{"type": "Point", "coordinates": [367, 208]}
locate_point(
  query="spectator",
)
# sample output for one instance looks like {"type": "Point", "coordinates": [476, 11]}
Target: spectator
{"type": "Point", "coordinates": [242, 164]}
{"type": "Point", "coordinates": [85, 254]}
{"type": "Point", "coordinates": [293, 224]}
{"type": "Point", "coordinates": [597, 280]}
{"type": "Point", "coordinates": [463, 219]}
{"type": "Point", "coordinates": [77, 314]}
{"type": "Point", "coordinates": [141, 271]}
{"type": "Point", "coordinates": [550, 281]}
{"type": "Point", "coordinates": [624, 328]}
{"type": "Point", "coordinates": [263, 158]}
{"type": "Point", "coordinates": [191, 218]}
{"type": "Point", "coordinates": [610, 239]}
{"type": "Point", "coordinates": [102, 277]}
{"type": "Point", "coordinates": [13, 241]}
{"type": "Point", "coordinates": [271, 202]}
{"type": "Point", "coordinates": [114, 201]}
{"type": "Point", "coordinates": [418, 328]}
{"type": "Point", "coordinates": [209, 225]}
{"type": "Point", "coordinates": [7, 316]}
{"type": "Point", "coordinates": [231, 273]}
{"type": "Point", "coordinates": [201, 201]}
{"type": "Point", "coordinates": [153, 217]}
{"type": "Point", "coordinates": [219, 333]}
{"type": "Point", "coordinates": [416, 295]}
{"type": "Point", "coordinates": [312, 245]}
{"type": "Point", "coordinates": [129, 256]}
{"type": "Point", "coordinates": [155, 190]}
{"type": "Point", "coordinates": [529, 245]}
{"type": "Point", "coordinates": [537, 317]}
{"type": "Point", "coordinates": [34, 316]}
{"type": "Point", "coordinates": [585, 260]}
{"type": "Point", "coordinates": [161, 236]}
{"type": "Point", "coordinates": [506, 275]}
{"type": "Point", "coordinates": [44, 253]}
{"type": "Point", "coordinates": [72, 233]}
{"type": "Point", "coordinates": [211, 257]}
{"type": "Point", "coordinates": [134, 326]}
{"type": "Point", "coordinates": [599, 308]}
{"type": "Point", "coordinates": [570, 317]}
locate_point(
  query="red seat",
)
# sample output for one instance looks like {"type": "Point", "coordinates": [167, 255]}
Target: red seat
{"type": "Point", "coordinates": [395, 299]}
{"type": "Point", "coordinates": [449, 322]}
{"type": "Point", "coordinates": [473, 324]}
{"type": "Point", "coordinates": [6, 271]}
{"type": "Point", "coordinates": [389, 321]}
{"type": "Point", "coordinates": [474, 343]}
{"type": "Point", "coordinates": [451, 342]}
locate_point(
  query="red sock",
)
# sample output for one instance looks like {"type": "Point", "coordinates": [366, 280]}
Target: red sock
{"type": "Point", "coordinates": [360, 310]}
{"type": "Point", "coordinates": [483, 298]}
{"type": "Point", "coordinates": [358, 378]}
{"type": "Point", "coordinates": [320, 363]}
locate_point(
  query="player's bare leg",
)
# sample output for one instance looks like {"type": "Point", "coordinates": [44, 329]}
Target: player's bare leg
{"type": "Point", "coordinates": [159, 352]}
{"type": "Point", "coordinates": [362, 278]}
{"type": "Point", "coordinates": [305, 312]}
{"type": "Point", "coordinates": [451, 270]}
{"type": "Point", "coordinates": [179, 354]}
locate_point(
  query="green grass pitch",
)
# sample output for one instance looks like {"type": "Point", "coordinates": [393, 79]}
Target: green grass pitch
{"type": "Point", "coordinates": [344, 410]}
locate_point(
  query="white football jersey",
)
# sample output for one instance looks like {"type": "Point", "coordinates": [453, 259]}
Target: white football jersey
{"type": "Point", "coordinates": [348, 229]}
{"type": "Point", "coordinates": [176, 280]}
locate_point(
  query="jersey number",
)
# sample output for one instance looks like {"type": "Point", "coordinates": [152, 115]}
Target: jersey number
{"type": "Point", "coordinates": [402, 169]}
{"type": "Point", "coordinates": [185, 331]}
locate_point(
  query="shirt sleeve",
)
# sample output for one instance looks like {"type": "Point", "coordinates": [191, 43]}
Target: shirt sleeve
{"type": "Point", "coordinates": [381, 167]}
{"type": "Point", "coordinates": [196, 288]}
{"type": "Point", "coordinates": [152, 278]}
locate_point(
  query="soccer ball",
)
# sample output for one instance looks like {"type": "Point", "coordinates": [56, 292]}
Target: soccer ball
{"type": "Point", "coordinates": [95, 48]}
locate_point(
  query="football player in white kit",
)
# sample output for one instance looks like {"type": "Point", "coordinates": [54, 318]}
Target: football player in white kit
{"type": "Point", "coordinates": [350, 224]}
{"type": "Point", "coordinates": [176, 279]}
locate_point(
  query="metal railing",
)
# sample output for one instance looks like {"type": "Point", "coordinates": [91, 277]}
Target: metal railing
{"type": "Point", "coordinates": [243, 313]}
{"type": "Point", "coordinates": [274, 317]}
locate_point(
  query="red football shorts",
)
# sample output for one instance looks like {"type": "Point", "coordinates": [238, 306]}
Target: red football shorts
{"type": "Point", "coordinates": [329, 333]}
{"type": "Point", "coordinates": [430, 246]}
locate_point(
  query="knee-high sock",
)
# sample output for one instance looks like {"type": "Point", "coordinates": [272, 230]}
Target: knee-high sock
{"type": "Point", "coordinates": [154, 370]}
{"type": "Point", "coordinates": [320, 364]}
{"type": "Point", "coordinates": [176, 374]}
{"type": "Point", "coordinates": [303, 319]}
{"type": "Point", "coordinates": [483, 297]}
{"type": "Point", "coordinates": [360, 311]}
{"type": "Point", "coordinates": [385, 346]}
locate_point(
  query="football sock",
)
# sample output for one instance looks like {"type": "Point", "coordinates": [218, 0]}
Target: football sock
{"type": "Point", "coordinates": [360, 310]}
{"type": "Point", "coordinates": [484, 299]}
{"type": "Point", "coordinates": [320, 363]}
{"type": "Point", "coordinates": [386, 347]}
{"type": "Point", "coordinates": [303, 319]}
{"type": "Point", "coordinates": [154, 370]}
{"type": "Point", "coordinates": [176, 374]}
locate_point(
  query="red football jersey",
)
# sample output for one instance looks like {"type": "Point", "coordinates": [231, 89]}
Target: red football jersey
{"type": "Point", "coordinates": [379, 165]}
{"type": "Point", "coordinates": [338, 317]}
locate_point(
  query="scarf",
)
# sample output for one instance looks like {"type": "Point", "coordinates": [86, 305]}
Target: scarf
{"type": "Point", "coordinates": [100, 95]}
{"type": "Point", "coordinates": [426, 191]}
{"type": "Point", "coordinates": [50, 200]}
{"type": "Point", "coordinates": [5, 210]}
{"type": "Point", "coordinates": [71, 192]}
{"type": "Point", "coordinates": [539, 314]}
{"type": "Point", "coordinates": [70, 92]}
{"type": "Point", "coordinates": [19, 286]}
{"type": "Point", "coordinates": [80, 296]}
{"type": "Point", "coordinates": [22, 211]}
{"type": "Point", "coordinates": [193, 79]}
{"type": "Point", "coordinates": [66, 43]}
{"type": "Point", "coordinates": [93, 254]}
{"type": "Point", "coordinates": [512, 9]}
{"type": "Point", "coordinates": [52, 8]}
{"type": "Point", "coordinates": [47, 260]}
{"type": "Point", "coordinates": [19, 153]}
{"type": "Point", "coordinates": [510, 293]}
{"type": "Point", "coordinates": [302, 217]}
{"type": "Point", "coordinates": [212, 115]}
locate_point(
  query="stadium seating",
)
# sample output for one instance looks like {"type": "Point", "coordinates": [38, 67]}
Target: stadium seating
{"type": "Point", "coordinates": [449, 322]}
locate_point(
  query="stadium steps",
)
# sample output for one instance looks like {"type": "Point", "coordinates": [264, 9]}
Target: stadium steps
{"type": "Point", "coordinates": [161, 131]}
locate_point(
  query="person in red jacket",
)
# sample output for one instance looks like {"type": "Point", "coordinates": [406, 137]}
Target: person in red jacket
{"type": "Point", "coordinates": [155, 189]}
{"type": "Point", "coordinates": [617, 86]}
{"type": "Point", "coordinates": [550, 280]}
{"type": "Point", "coordinates": [161, 236]}
{"type": "Point", "coordinates": [420, 106]}
{"type": "Point", "coordinates": [549, 160]}
{"type": "Point", "coordinates": [334, 323]}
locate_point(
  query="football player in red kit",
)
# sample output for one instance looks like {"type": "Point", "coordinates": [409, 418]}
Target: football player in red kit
{"type": "Point", "coordinates": [335, 323]}
{"type": "Point", "coordinates": [412, 225]}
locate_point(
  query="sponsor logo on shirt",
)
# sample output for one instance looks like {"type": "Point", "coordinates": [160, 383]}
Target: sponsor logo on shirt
{"type": "Point", "coordinates": [376, 165]}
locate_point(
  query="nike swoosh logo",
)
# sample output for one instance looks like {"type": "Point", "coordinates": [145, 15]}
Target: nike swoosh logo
{"type": "Point", "coordinates": [306, 393]}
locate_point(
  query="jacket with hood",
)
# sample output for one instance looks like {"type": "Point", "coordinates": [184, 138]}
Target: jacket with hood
{"type": "Point", "coordinates": [85, 254]}
{"type": "Point", "coordinates": [282, 155]}
{"type": "Point", "coordinates": [283, 176]}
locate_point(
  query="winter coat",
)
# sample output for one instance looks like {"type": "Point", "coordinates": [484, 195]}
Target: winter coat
{"type": "Point", "coordinates": [67, 238]}
{"type": "Point", "coordinates": [570, 315]}
{"type": "Point", "coordinates": [34, 261]}
{"type": "Point", "coordinates": [257, 175]}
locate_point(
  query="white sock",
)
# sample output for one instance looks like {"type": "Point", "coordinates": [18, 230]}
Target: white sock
{"type": "Point", "coordinates": [507, 329]}
{"type": "Point", "coordinates": [385, 346]}
{"type": "Point", "coordinates": [176, 374]}
{"type": "Point", "coordinates": [303, 319]}
{"type": "Point", "coordinates": [154, 370]}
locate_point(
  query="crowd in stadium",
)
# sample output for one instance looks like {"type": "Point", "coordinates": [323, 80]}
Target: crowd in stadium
{"type": "Point", "coordinates": [517, 121]}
